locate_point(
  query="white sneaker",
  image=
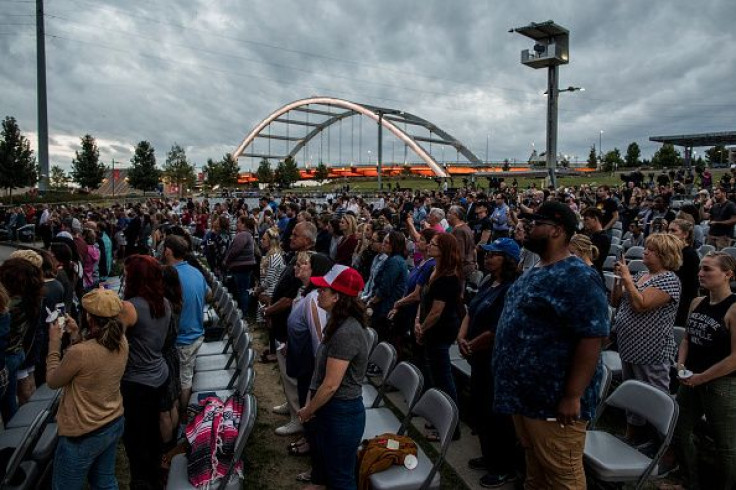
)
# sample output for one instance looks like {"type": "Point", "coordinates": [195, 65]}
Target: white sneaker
{"type": "Point", "coordinates": [293, 427]}
{"type": "Point", "coordinates": [282, 409]}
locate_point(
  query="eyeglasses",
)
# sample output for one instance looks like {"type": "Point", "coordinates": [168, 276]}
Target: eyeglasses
{"type": "Point", "coordinates": [534, 223]}
{"type": "Point", "coordinates": [432, 244]}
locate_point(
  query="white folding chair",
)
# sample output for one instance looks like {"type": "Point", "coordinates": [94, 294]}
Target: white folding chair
{"type": "Point", "coordinates": [243, 386]}
{"type": "Point", "coordinates": [634, 253]}
{"type": "Point", "coordinates": [408, 380]}
{"type": "Point", "coordinates": [612, 360]}
{"type": "Point", "coordinates": [439, 410]}
{"type": "Point", "coordinates": [223, 361]}
{"type": "Point", "coordinates": [178, 476]}
{"type": "Point", "coordinates": [384, 357]}
{"type": "Point", "coordinates": [730, 251]}
{"type": "Point", "coordinates": [609, 263]}
{"type": "Point", "coordinates": [371, 336]}
{"type": "Point", "coordinates": [637, 266]}
{"type": "Point", "coordinates": [224, 379]}
{"type": "Point", "coordinates": [705, 249]}
{"type": "Point", "coordinates": [609, 458]}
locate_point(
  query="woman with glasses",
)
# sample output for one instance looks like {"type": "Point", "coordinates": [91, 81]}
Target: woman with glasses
{"type": "Point", "coordinates": [475, 340]}
{"type": "Point", "coordinates": [645, 317]}
{"type": "Point", "coordinates": [707, 369]}
{"type": "Point", "coordinates": [440, 312]}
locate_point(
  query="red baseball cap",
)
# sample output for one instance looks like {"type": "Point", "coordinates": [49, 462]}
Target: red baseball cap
{"type": "Point", "coordinates": [342, 279]}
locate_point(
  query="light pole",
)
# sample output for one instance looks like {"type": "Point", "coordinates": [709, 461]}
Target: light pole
{"type": "Point", "coordinates": [551, 49]}
{"type": "Point", "coordinates": [488, 136]}
{"type": "Point", "coordinates": [600, 147]}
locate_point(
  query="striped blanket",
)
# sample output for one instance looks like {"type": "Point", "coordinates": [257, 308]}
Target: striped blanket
{"type": "Point", "coordinates": [212, 435]}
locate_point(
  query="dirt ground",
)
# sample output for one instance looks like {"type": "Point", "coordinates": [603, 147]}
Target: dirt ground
{"type": "Point", "coordinates": [267, 464]}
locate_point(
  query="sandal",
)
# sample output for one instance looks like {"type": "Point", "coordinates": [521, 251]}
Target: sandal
{"type": "Point", "coordinates": [305, 477]}
{"type": "Point", "coordinates": [267, 357]}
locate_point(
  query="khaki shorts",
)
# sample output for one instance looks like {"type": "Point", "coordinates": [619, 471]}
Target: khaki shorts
{"type": "Point", "coordinates": [187, 358]}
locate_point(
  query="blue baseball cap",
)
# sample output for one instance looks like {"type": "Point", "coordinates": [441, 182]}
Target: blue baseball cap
{"type": "Point", "coordinates": [506, 246]}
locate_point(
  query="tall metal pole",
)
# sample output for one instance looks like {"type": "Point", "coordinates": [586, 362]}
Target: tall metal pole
{"type": "Point", "coordinates": [112, 178]}
{"type": "Point", "coordinates": [380, 149]}
{"type": "Point", "coordinates": [43, 124]}
{"type": "Point", "coordinates": [600, 147]}
{"type": "Point", "coordinates": [487, 138]}
{"type": "Point", "coordinates": [552, 94]}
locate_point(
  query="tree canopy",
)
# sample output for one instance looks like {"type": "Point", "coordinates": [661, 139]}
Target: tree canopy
{"type": "Point", "coordinates": [633, 153]}
{"type": "Point", "coordinates": [178, 170]}
{"type": "Point", "coordinates": [265, 172]}
{"type": "Point", "coordinates": [17, 163]}
{"type": "Point", "coordinates": [286, 173]}
{"type": "Point", "coordinates": [58, 178]}
{"type": "Point", "coordinates": [143, 173]}
{"type": "Point", "coordinates": [666, 156]}
{"type": "Point", "coordinates": [321, 172]}
{"type": "Point", "coordinates": [716, 154]}
{"type": "Point", "coordinates": [592, 158]}
{"type": "Point", "coordinates": [87, 170]}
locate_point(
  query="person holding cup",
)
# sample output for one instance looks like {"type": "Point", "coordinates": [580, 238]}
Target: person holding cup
{"type": "Point", "coordinates": [90, 417]}
{"type": "Point", "coordinates": [707, 368]}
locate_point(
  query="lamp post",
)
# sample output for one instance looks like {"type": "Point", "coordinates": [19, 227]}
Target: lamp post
{"type": "Point", "coordinates": [600, 147]}
{"type": "Point", "coordinates": [550, 51]}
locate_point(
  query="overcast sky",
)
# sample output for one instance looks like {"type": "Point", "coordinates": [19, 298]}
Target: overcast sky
{"type": "Point", "coordinates": [203, 73]}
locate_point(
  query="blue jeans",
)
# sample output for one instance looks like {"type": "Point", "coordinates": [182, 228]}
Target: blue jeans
{"type": "Point", "coordinates": [242, 284]}
{"type": "Point", "coordinates": [335, 433]}
{"type": "Point", "coordinates": [9, 402]}
{"type": "Point", "coordinates": [91, 455]}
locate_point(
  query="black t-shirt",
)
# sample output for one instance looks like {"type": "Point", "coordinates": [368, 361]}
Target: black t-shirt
{"type": "Point", "coordinates": [480, 226]}
{"type": "Point", "coordinates": [708, 336]}
{"type": "Point", "coordinates": [608, 206]}
{"type": "Point", "coordinates": [287, 287]}
{"type": "Point", "coordinates": [688, 274]}
{"type": "Point", "coordinates": [721, 212]}
{"type": "Point", "coordinates": [603, 242]}
{"type": "Point", "coordinates": [447, 289]}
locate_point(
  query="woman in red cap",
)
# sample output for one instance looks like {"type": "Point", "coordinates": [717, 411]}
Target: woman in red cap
{"type": "Point", "coordinates": [335, 403]}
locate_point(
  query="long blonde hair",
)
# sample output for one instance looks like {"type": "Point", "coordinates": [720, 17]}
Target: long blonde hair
{"type": "Point", "coordinates": [583, 247]}
{"type": "Point", "coordinates": [274, 244]}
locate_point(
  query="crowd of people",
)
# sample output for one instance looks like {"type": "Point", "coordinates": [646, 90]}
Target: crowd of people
{"type": "Point", "coordinates": [514, 277]}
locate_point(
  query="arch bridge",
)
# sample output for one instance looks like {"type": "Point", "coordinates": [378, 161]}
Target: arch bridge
{"type": "Point", "coordinates": [327, 111]}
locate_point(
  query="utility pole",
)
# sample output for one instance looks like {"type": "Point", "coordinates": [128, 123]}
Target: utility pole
{"type": "Point", "coordinates": [112, 179]}
{"type": "Point", "coordinates": [43, 124]}
{"type": "Point", "coordinates": [380, 149]}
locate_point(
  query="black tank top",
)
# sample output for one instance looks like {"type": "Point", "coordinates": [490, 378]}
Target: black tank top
{"type": "Point", "coordinates": [707, 334]}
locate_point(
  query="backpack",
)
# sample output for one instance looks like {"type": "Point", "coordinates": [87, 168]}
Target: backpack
{"type": "Point", "coordinates": [374, 456]}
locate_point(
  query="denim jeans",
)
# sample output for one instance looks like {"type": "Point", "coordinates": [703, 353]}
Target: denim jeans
{"type": "Point", "coordinates": [717, 401]}
{"type": "Point", "coordinates": [242, 285]}
{"type": "Point", "coordinates": [335, 433]}
{"type": "Point", "coordinates": [9, 402]}
{"type": "Point", "coordinates": [90, 456]}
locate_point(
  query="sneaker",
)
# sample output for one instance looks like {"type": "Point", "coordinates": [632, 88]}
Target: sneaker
{"type": "Point", "coordinates": [495, 480]}
{"type": "Point", "coordinates": [281, 409]}
{"type": "Point", "coordinates": [478, 464]}
{"type": "Point", "coordinates": [293, 427]}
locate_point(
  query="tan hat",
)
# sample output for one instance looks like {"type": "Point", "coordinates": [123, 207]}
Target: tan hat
{"type": "Point", "coordinates": [102, 302]}
{"type": "Point", "coordinates": [28, 255]}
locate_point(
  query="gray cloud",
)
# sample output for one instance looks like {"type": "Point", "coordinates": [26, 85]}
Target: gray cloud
{"type": "Point", "coordinates": [203, 73]}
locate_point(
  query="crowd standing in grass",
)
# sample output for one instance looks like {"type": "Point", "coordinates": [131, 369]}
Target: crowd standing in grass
{"type": "Point", "coordinates": [529, 284]}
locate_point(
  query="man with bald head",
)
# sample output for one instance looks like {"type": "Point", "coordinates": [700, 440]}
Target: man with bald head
{"type": "Point", "coordinates": [302, 239]}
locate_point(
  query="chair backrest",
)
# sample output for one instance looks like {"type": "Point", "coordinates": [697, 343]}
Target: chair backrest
{"type": "Point", "coordinates": [615, 240]}
{"type": "Point", "coordinates": [615, 249]}
{"type": "Point", "coordinates": [637, 266]}
{"type": "Point", "coordinates": [408, 379]}
{"type": "Point", "coordinates": [605, 384]}
{"type": "Point", "coordinates": [610, 279]}
{"type": "Point", "coordinates": [27, 442]}
{"type": "Point", "coordinates": [247, 422]}
{"type": "Point", "coordinates": [626, 244]}
{"type": "Point", "coordinates": [616, 233]}
{"type": "Point", "coordinates": [371, 337]}
{"type": "Point", "coordinates": [705, 249]}
{"type": "Point", "coordinates": [636, 252]}
{"type": "Point", "coordinates": [654, 405]}
{"type": "Point", "coordinates": [618, 225]}
{"type": "Point", "coordinates": [679, 335]}
{"type": "Point", "coordinates": [384, 357]}
{"type": "Point", "coordinates": [730, 251]}
{"type": "Point", "coordinates": [439, 410]}
{"type": "Point", "coordinates": [245, 382]}
{"type": "Point", "coordinates": [609, 263]}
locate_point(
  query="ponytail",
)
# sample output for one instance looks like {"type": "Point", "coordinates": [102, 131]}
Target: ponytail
{"type": "Point", "coordinates": [109, 333]}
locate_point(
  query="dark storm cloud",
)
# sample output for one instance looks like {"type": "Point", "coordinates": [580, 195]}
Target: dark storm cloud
{"type": "Point", "coordinates": [203, 73]}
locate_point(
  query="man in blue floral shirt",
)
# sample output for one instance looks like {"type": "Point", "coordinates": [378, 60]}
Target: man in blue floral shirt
{"type": "Point", "coordinates": [547, 349]}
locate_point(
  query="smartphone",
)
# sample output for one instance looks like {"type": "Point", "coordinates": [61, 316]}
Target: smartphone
{"type": "Point", "coordinates": [620, 255]}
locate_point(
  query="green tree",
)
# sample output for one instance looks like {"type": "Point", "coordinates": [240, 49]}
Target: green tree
{"type": "Point", "coordinates": [286, 173]}
{"type": "Point", "coordinates": [58, 178]}
{"type": "Point", "coordinates": [633, 152]}
{"type": "Point", "coordinates": [87, 170]}
{"type": "Point", "coordinates": [592, 158]}
{"type": "Point", "coordinates": [229, 171]}
{"type": "Point", "coordinates": [612, 160]}
{"type": "Point", "coordinates": [506, 165]}
{"type": "Point", "coordinates": [666, 156]}
{"type": "Point", "coordinates": [212, 172]}
{"type": "Point", "coordinates": [178, 170]}
{"type": "Point", "coordinates": [321, 173]}
{"type": "Point", "coordinates": [143, 173]}
{"type": "Point", "coordinates": [717, 154]}
{"type": "Point", "coordinates": [264, 172]}
{"type": "Point", "coordinates": [17, 163]}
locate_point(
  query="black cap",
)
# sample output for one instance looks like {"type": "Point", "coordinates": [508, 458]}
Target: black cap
{"type": "Point", "coordinates": [556, 212]}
